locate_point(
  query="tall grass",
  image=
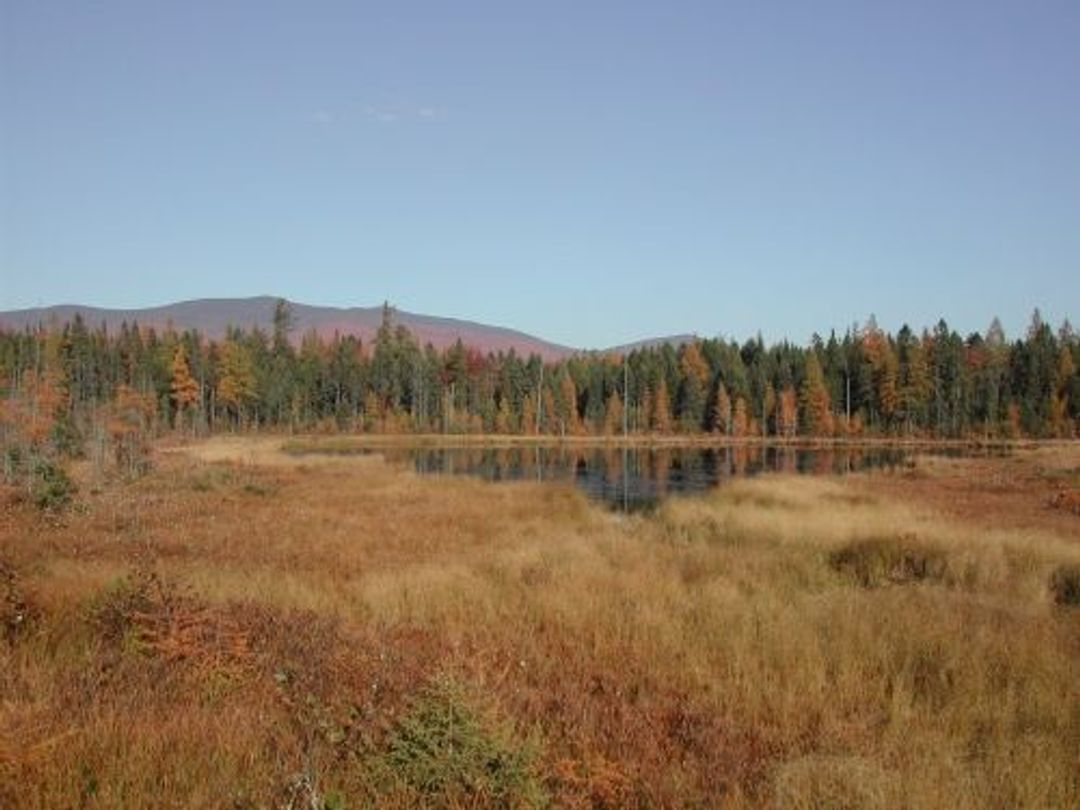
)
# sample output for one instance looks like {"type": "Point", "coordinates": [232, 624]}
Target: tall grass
{"type": "Point", "coordinates": [348, 634]}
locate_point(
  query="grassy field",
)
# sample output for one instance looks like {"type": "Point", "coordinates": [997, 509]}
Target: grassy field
{"type": "Point", "coordinates": [245, 628]}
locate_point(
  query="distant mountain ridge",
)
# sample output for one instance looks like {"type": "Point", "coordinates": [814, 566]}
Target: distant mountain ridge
{"type": "Point", "coordinates": [212, 316]}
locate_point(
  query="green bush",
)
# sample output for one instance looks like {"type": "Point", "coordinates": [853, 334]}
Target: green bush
{"type": "Point", "coordinates": [445, 751]}
{"type": "Point", "coordinates": [50, 486]}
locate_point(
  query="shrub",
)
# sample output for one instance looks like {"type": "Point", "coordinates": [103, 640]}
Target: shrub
{"type": "Point", "coordinates": [50, 486]}
{"type": "Point", "coordinates": [877, 561]}
{"type": "Point", "coordinates": [1065, 585]}
{"type": "Point", "coordinates": [445, 750]}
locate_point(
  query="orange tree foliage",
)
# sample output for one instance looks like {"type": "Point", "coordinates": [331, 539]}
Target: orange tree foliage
{"type": "Point", "coordinates": [661, 409]}
{"type": "Point", "coordinates": [787, 413]}
{"type": "Point", "coordinates": [722, 410]}
{"type": "Point", "coordinates": [613, 415]}
{"type": "Point", "coordinates": [814, 398]}
{"type": "Point", "coordinates": [130, 422]}
{"type": "Point", "coordinates": [739, 424]}
{"type": "Point", "coordinates": [933, 383]}
{"type": "Point", "coordinates": [183, 390]}
{"type": "Point", "coordinates": [236, 378]}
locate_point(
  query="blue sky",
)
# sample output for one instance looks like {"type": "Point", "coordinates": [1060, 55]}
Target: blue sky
{"type": "Point", "coordinates": [591, 172]}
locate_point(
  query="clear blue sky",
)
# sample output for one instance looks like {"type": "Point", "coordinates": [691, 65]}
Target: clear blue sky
{"type": "Point", "coordinates": [591, 172]}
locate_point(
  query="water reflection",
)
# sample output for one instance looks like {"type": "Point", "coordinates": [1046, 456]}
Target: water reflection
{"type": "Point", "coordinates": [635, 477]}
{"type": "Point", "coordinates": [632, 478]}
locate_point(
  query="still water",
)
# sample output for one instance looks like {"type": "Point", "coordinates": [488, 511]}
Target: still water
{"type": "Point", "coordinates": [632, 478]}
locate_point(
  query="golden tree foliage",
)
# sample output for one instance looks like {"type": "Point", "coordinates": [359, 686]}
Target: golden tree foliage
{"type": "Point", "coordinates": [885, 369]}
{"type": "Point", "coordinates": [613, 415]}
{"type": "Point", "coordinates": [129, 425]}
{"type": "Point", "coordinates": [183, 389]}
{"type": "Point", "coordinates": [814, 397]}
{"type": "Point", "coordinates": [503, 418]}
{"type": "Point", "coordinates": [568, 412]}
{"type": "Point", "coordinates": [548, 417]}
{"type": "Point", "coordinates": [692, 364]}
{"type": "Point", "coordinates": [528, 416]}
{"type": "Point", "coordinates": [722, 410]}
{"type": "Point", "coordinates": [661, 409]}
{"type": "Point", "coordinates": [787, 413]}
{"type": "Point", "coordinates": [768, 405]}
{"type": "Point", "coordinates": [739, 423]}
{"type": "Point", "coordinates": [236, 378]}
{"type": "Point", "coordinates": [32, 410]}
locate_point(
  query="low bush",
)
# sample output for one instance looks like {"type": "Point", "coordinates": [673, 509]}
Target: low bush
{"type": "Point", "coordinates": [50, 486]}
{"type": "Point", "coordinates": [445, 750]}
{"type": "Point", "coordinates": [1065, 585]}
{"type": "Point", "coordinates": [876, 561]}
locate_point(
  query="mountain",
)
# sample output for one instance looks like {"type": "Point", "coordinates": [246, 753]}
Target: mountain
{"type": "Point", "coordinates": [212, 316]}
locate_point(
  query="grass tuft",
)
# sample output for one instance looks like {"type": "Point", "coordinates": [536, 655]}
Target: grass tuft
{"type": "Point", "coordinates": [1065, 585]}
{"type": "Point", "coordinates": [875, 561]}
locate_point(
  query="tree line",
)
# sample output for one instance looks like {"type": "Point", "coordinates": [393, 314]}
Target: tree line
{"type": "Point", "coordinates": [66, 383]}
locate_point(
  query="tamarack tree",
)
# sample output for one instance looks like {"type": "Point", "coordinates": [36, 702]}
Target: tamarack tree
{"type": "Point", "coordinates": [54, 381]}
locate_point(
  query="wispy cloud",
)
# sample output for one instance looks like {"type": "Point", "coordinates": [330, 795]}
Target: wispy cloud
{"type": "Point", "coordinates": [382, 114]}
{"type": "Point", "coordinates": [401, 113]}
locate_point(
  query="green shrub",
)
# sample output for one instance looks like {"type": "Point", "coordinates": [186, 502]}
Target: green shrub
{"type": "Point", "coordinates": [445, 751]}
{"type": "Point", "coordinates": [877, 561]}
{"type": "Point", "coordinates": [50, 486]}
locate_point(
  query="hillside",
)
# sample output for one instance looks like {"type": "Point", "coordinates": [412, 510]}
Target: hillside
{"type": "Point", "coordinates": [212, 316]}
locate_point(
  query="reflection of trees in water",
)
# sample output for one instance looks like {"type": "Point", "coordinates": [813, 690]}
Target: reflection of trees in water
{"type": "Point", "coordinates": [611, 461]}
{"type": "Point", "coordinates": [503, 465]}
{"type": "Point", "coordinates": [857, 459]}
{"type": "Point", "coordinates": [740, 459]}
{"type": "Point", "coordinates": [821, 462]}
{"type": "Point", "coordinates": [787, 460]}
{"type": "Point", "coordinates": [661, 469]}
{"type": "Point", "coordinates": [528, 462]}
{"type": "Point", "coordinates": [637, 475]}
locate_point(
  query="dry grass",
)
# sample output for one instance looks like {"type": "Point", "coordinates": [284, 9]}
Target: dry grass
{"type": "Point", "coordinates": [242, 628]}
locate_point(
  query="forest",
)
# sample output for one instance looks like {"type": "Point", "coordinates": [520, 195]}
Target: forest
{"type": "Point", "coordinates": [66, 384]}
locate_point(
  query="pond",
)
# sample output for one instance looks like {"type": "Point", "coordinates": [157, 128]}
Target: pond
{"type": "Point", "coordinates": [634, 478]}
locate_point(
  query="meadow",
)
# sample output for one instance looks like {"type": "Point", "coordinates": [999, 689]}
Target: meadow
{"type": "Point", "coordinates": [242, 628]}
